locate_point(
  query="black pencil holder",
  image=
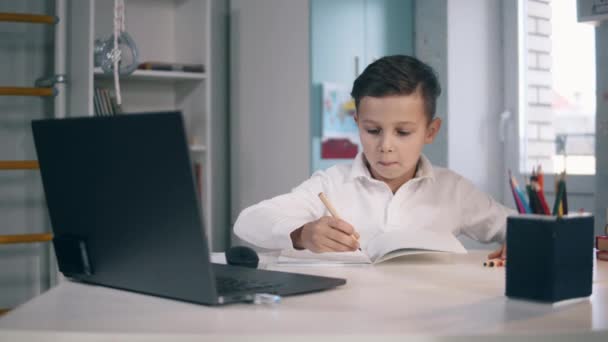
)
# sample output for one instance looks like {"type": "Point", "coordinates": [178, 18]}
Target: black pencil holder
{"type": "Point", "coordinates": [549, 259]}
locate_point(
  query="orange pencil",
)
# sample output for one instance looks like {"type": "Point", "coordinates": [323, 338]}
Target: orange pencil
{"type": "Point", "coordinates": [332, 210]}
{"type": "Point", "coordinates": [541, 177]}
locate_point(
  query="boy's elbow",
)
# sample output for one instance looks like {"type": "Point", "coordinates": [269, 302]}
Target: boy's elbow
{"type": "Point", "coordinates": [245, 226]}
{"type": "Point", "coordinates": [486, 232]}
{"type": "Point", "coordinates": [240, 227]}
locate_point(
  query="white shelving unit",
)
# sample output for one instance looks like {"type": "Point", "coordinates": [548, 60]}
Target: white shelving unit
{"type": "Point", "coordinates": [198, 148]}
{"type": "Point", "coordinates": [173, 31]}
{"type": "Point", "coordinates": [156, 75]}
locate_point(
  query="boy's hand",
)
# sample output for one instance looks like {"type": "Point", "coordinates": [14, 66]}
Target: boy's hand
{"type": "Point", "coordinates": [499, 253]}
{"type": "Point", "coordinates": [327, 234]}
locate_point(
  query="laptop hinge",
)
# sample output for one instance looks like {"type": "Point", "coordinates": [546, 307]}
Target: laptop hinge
{"type": "Point", "coordinates": [72, 256]}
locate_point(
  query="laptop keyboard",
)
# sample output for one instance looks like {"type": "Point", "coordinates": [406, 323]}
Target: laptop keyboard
{"type": "Point", "coordinates": [229, 285]}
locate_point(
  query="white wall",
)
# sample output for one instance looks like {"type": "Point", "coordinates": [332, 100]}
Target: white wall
{"type": "Point", "coordinates": [431, 38]}
{"type": "Point", "coordinates": [461, 40]}
{"type": "Point", "coordinates": [601, 133]}
{"type": "Point", "coordinates": [270, 91]}
{"type": "Point", "coordinates": [476, 92]}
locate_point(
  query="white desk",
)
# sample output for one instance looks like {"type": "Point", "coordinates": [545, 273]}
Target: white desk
{"type": "Point", "coordinates": [429, 298]}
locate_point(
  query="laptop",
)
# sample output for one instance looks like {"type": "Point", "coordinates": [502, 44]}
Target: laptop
{"type": "Point", "coordinates": [125, 212]}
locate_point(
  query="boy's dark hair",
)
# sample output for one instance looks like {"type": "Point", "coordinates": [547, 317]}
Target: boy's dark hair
{"type": "Point", "coordinates": [398, 75]}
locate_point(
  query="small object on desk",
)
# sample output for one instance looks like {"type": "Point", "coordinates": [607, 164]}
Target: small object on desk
{"type": "Point", "coordinates": [242, 256]}
{"type": "Point", "coordinates": [266, 298]}
{"type": "Point", "coordinates": [494, 263]}
{"type": "Point", "coordinates": [259, 298]}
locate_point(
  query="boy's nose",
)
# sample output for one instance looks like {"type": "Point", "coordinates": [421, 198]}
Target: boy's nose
{"type": "Point", "coordinates": [386, 145]}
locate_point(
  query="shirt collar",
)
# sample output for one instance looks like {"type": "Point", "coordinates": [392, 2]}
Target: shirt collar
{"type": "Point", "coordinates": [360, 170]}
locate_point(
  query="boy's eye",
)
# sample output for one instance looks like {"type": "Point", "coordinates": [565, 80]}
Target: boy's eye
{"type": "Point", "coordinates": [403, 133]}
{"type": "Point", "coordinates": [373, 131]}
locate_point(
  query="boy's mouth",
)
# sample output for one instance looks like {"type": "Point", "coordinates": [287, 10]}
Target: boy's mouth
{"type": "Point", "coordinates": [385, 163]}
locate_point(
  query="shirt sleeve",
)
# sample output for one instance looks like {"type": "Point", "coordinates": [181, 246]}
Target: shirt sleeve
{"type": "Point", "coordinates": [483, 218]}
{"type": "Point", "coordinates": [269, 223]}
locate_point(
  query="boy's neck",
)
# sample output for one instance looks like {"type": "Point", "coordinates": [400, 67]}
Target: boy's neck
{"type": "Point", "coordinates": [393, 184]}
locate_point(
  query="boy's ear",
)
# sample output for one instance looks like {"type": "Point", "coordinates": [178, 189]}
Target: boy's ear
{"type": "Point", "coordinates": [431, 130]}
{"type": "Point", "coordinates": [356, 118]}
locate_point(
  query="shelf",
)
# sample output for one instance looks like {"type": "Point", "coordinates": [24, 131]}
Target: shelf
{"type": "Point", "coordinates": [29, 18]}
{"type": "Point", "coordinates": [198, 148]}
{"type": "Point", "coordinates": [19, 165]}
{"type": "Point", "coordinates": [156, 75]}
{"type": "Point", "coordinates": [27, 91]}
{"type": "Point", "coordinates": [153, 25]}
{"type": "Point", "coordinates": [25, 238]}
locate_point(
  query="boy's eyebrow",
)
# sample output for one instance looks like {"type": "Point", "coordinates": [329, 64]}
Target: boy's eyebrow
{"type": "Point", "coordinates": [397, 123]}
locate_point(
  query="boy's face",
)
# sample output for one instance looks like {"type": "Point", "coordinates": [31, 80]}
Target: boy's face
{"type": "Point", "coordinates": [393, 131]}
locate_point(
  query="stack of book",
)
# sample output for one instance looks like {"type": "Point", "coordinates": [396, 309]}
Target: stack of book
{"type": "Point", "coordinates": [105, 103]}
{"type": "Point", "coordinates": [166, 66]}
{"type": "Point", "coordinates": [601, 243]}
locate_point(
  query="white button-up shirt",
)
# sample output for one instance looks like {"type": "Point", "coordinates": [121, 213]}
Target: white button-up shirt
{"type": "Point", "coordinates": [436, 199]}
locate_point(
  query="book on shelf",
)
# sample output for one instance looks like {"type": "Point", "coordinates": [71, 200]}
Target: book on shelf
{"type": "Point", "coordinates": [97, 102]}
{"type": "Point", "coordinates": [165, 66]}
{"type": "Point", "coordinates": [104, 102]}
{"type": "Point", "coordinates": [198, 176]}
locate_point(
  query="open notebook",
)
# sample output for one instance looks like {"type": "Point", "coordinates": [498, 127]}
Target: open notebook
{"type": "Point", "coordinates": [381, 248]}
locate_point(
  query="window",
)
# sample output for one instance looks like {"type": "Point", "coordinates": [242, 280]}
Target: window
{"type": "Point", "coordinates": [557, 128]}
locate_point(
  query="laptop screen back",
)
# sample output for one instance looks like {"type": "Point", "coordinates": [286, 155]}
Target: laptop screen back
{"type": "Point", "coordinates": [121, 189]}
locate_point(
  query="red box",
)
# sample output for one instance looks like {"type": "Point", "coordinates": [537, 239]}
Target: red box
{"type": "Point", "coordinates": [601, 243]}
{"type": "Point", "coordinates": [338, 148]}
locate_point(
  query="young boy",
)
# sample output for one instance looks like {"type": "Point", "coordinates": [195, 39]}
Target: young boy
{"type": "Point", "coordinates": [389, 186]}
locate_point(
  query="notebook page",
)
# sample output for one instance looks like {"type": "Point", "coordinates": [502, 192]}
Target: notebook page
{"type": "Point", "coordinates": [411, 241]}
{"type": "Point", "coordinates": [304, 257]}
